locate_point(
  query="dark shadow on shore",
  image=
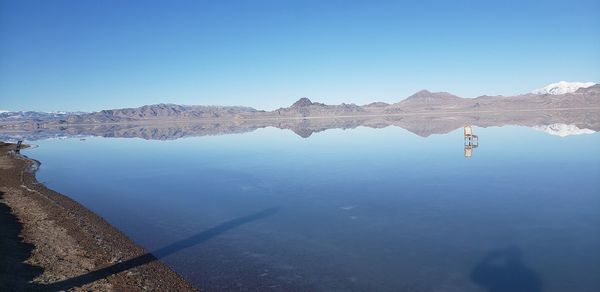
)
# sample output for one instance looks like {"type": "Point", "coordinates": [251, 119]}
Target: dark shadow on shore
{"type": "Point", "coordinates": [503, 270]}
{"type": "Point", "coordinates": [155, 255]}
{"type": "Point", "coordinates": [14, 273]}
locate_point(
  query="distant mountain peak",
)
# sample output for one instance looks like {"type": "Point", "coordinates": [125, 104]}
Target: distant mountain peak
{"type": "Point", "coordinates": [562, 87]}
{"type": "Point", "coordinates": [426, 95]}
{"type": "Point", "coordinates": [303, 102]}
{"type": "Point", "coordinates": [421, 93]}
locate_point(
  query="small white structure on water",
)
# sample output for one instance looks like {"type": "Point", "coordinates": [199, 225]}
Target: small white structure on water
{"type": "Point", "coordinates": [471, 141]}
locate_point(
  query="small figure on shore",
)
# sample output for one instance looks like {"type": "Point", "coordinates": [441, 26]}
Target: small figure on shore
{"type": "Point", "coordinates": [18, 147]}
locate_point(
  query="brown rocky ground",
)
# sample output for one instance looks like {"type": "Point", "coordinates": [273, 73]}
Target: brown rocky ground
{"type": "Point", "coordinates": [51, 243]}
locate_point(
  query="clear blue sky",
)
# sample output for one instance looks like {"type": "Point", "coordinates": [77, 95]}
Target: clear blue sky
{"type": "Point", "coordinates": [92, 55]}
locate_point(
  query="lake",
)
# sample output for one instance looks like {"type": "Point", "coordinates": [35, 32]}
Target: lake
{"type": "Point", "coordinates": [349, 210]}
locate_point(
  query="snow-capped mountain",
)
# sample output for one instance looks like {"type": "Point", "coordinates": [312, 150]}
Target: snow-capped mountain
{"type": "Point", "coordinates": [562, 87]}
{"type": "Point", "coordinates": [3, 111]}
{"type": "Point", "coordinates": [563, 130]}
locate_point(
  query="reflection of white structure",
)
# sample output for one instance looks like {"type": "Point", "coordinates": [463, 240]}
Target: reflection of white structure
{"type": "Point", "coordinates": [563, 130]}
{"type": "Point", "coordinates": [469, 150]}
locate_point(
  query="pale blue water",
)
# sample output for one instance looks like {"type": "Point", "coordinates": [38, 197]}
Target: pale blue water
{"type": "Point", "coordinates": [363, 209]}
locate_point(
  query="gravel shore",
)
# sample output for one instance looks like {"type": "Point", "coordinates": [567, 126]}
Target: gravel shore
{"type": "Point", "coordinates": [51, 243]}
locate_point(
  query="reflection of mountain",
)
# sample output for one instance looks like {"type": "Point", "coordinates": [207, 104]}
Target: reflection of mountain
{"type": "Point", "coordinates": [558, 121]}
{"type": "Point", "coordinates": [423, 113]}
{"type": "Point", "coordinates": [563, 130]}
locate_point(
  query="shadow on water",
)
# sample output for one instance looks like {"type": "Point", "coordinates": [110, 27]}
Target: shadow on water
{"type": "Point", "coordinates": [503, 270]}
{"type": "Point", "coordinates": [155, 255]}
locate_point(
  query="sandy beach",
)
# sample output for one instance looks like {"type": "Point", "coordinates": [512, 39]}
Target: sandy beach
{"type": "Point", "coordinates": [51, 243]}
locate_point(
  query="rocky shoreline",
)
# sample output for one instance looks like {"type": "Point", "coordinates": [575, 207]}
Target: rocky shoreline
{"type": "Point", "coordinates": [52, 243]}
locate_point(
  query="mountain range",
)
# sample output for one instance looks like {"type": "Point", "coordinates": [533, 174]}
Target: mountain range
{"type": "Point", "coordinates": [558, 96]}
{"type": "Point", "coordinates": [562, 87]}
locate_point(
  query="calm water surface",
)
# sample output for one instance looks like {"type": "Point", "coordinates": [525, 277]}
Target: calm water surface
{"type": "Point", "coordinates": [362, 210]}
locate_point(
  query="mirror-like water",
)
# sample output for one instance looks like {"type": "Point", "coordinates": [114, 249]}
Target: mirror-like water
{"type": "Point", "coordinates": [363, 209]}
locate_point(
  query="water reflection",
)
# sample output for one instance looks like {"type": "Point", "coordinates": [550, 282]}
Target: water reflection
{"type": "Point", "coordinates": [364, 210]}
{"type": "Point", "coordinates": [469, 146]}
{"type": "Point", "coordinates": [563, 130]}
{"type": "Point", "coordinates": [560, 123]}
{"type": "Point", "coordinates": [503, 270]}
{"type": "Point", "coordinates": [471, 141]}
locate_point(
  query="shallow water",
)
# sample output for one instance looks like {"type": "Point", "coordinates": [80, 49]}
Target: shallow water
{"type": "Point", "coordinates": [363, 209]}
